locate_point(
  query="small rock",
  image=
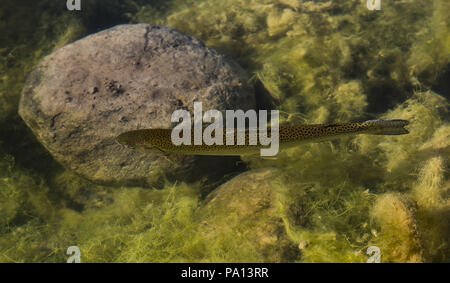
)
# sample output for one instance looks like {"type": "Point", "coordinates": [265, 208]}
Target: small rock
{"type": "Point", "coordinates": [249, 201]}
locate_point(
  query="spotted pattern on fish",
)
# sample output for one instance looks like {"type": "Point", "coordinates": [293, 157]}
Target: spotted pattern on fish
{"type": "Point", "coordinates": [288, 135]}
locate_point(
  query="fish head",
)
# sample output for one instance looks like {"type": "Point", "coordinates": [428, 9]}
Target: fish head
{"type": "Point", "coordinates": [129, 140]}
{"type": "Point", "coordinates": [136, 140]}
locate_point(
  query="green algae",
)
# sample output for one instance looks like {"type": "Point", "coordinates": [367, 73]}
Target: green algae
{"type": "Point", "coordinates": [31, 29]}
{"type": "Point", "coordinates": [22, 45]}
{"type": "Point", "coordinates": [141, 225]}
{"type": "Point", "coordinates": [23, 196]}
{"type": "Point", "coordinates": [306, 56]}
{"type": "Point", "coordinates": [320, 61]}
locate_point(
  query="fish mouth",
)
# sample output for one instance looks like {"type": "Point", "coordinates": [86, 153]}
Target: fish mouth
{"type": "Point", "coordinates": [121, 145]}
{"type": "Point", "coordinates": [121, 140]}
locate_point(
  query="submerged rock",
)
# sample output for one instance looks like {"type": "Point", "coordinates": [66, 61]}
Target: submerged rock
{"type": "Point", "coordinates": [245, 209]}
{"type": "Point", "coordinates": [128, 77]}
{"type": "Point", "coordinates": [400, 238]}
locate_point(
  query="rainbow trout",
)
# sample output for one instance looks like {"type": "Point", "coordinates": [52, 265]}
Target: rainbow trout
{"type": "Point", "coordinates": [160, 139]}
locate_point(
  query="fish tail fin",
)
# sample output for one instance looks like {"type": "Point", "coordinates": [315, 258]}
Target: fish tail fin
{"type": "Point", "coordinates": [386, 127]}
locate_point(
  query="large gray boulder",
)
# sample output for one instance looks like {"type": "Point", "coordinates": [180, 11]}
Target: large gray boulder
{"type": "Point", "coordinates": [129, 77]}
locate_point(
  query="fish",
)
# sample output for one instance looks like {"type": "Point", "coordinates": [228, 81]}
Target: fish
{"type": "Point", "coordinates": [160, 139]}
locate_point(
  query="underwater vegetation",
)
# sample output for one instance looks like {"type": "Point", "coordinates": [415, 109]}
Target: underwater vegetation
{"type": "Point", "coordinates": [317, 62]}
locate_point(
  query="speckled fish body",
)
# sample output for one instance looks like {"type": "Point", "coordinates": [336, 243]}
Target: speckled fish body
{"type": "Point", "coordinates": [150, 139]}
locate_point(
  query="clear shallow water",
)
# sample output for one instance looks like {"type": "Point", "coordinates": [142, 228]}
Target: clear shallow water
{"type": "Point", "coordinates": [317, 62]}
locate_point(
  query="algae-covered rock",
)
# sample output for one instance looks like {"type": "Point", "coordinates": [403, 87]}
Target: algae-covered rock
{"type": "Point", "coordinates": [245, 209]}
{"type": "Point", "coordinates": [126, 78]}
{"type": "Point", "coordinates": [399, 240]}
